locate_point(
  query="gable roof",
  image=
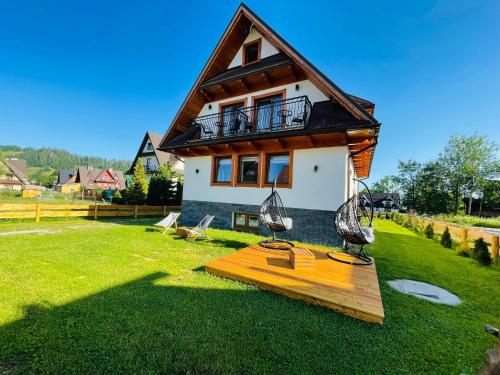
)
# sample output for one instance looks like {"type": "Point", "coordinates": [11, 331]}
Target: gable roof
{"type": "Point", "coordinates": [379, 198]}
{"type": "Point", "coordinates": [227, 47]}
{"type": "Point", "coordinates": [65, 175]}
{"type": "Point", "coordinates": [18, 168]}
{"type": "Point", "coordinates": [163, 157]}
{"type": "Point", "coordinates": [87, 176]}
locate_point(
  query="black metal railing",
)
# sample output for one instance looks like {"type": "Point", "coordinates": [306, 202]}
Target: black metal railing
{"type": "Point", "coordinates": [264, 117]}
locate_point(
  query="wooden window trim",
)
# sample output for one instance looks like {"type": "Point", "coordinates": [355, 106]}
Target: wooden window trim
{"type": "Point", "coordinates": [259, 49]}
{"type": "Point", "coordinates": [227, 104]}
{"type": "Point", "coordinates": [237, 172]}
{"type": "Point", "coordinates": [281, 92]}
{"type": "Point", "coordinates": [213, 181]}
{"type": "Point", "coordinates": [265, 162]}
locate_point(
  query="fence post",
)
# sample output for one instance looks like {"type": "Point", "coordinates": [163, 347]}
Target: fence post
{"type": "Point", "coordinates": [494, 248]}
{"type": "Point", "coordinates": [37, 213]}
{"type": "Point", "coordinates": [464, 234]}
{"type": "Point", "coordinates": [164, 210]}
{"type": "Point", "coordinates": [95, 210]}
{"type": "Point", "coordinates": [135, 212]}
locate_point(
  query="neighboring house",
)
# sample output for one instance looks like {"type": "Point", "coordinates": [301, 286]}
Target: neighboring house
{"type": "Point", "coordinates": [66, 181]}
{"type": "Point", "coordinates": [90, 178]}
{"type": "Point", "coordinates": [258, 112]}
{"type": "Point", "coordinates": [382, 202]}
{"type": "Point", "coordinates": [150, 157]}
{"type": "Point", "coordinates": [32, 191]}
{"type": "Point", "coordinates": [15, 176]}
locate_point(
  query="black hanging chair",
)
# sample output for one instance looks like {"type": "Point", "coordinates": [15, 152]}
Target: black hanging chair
{"type": "Point", "coordinates": [349, 228]}
{"type": "Point", "coordinates": [273, 216]}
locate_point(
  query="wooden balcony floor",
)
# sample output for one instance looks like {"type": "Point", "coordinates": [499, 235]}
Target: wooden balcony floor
{"type": "Point", "coordinates": [350, 290]}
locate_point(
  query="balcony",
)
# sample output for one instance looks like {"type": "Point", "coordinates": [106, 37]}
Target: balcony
{"type": "Point", "coordinates": [263, 118]}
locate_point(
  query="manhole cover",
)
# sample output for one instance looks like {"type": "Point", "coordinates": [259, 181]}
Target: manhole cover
{"type": "Point", "coordinates": [425, 291]}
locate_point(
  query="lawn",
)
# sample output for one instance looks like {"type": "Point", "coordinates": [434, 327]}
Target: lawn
{"type": "Point", "coordinates": [467, 220]}
{"type": "Point", "coordinates": [118, 297]}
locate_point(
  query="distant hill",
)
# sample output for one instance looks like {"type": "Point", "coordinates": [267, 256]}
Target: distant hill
{"type": "Point", "coordinates": [49, 159]}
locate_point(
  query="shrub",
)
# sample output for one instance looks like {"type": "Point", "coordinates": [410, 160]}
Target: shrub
{"type": "Point", "coordinates": [429, 231]}
{"type": "Point", "coordinates": [137, 190]}
{"type": "Point", "coordinates": [481, 253]}
{"type": "Point", "coordinates": [446, 238]}
{"type": "Point", "coordinates": [117, 197]}
{"type": "Point", "coordinates": [393, 215]}
{"type": "Point", "coordinates": [463, 249]}
{"type": "Point", "coordinates": [161, 187]}
{"type": "Point", "coordinates": [379, 215]}
{"type": "Point", "coordinates": [387, 216]}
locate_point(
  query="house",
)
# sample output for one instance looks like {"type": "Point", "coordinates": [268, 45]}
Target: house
{"type": "Point", "coordinates": [382, 202]}
{"type": "Point", "coordinates": [150, 157]}
{"type": "Point", "coordinates": [15, 176]}
{"type": "Point", "coordinates": [90, 178]}
{"type": "Point", "coordinates": [66, 181]}
{"type": "Point", "coordinates": [260, 111]}
{"type": "Point", "coordinates": [32, 191]}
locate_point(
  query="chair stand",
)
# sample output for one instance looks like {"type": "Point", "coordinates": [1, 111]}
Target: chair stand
{"type": "Point", "coordinates": [276, 244]}
{"type": "Point", "coordinates": [351, 257]}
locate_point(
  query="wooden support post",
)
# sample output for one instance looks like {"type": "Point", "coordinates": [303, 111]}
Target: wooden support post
{"type": "Point", "coordinates": [464, 234]}
{"type": "Point", "coordinates": [37, 213]}
{"type": "Point", "coordinates": [494, 248]}
{"type": "Point", "coordinates": [135, 212]}
{"type": "Point", "coordinates": [164, 211]}
{"type": "Point", "coordinates": [95, 210]}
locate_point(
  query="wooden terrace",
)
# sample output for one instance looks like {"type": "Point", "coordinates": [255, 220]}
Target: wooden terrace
{"type": "Point", "coordinates": [351, 290]}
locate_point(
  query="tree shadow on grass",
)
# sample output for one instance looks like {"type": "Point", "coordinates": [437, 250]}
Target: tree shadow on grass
{"type": "Point", "coordinates": [145, 327]}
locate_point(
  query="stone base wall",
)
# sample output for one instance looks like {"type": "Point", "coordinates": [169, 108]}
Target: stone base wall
{"type": "Point", "coordinates": [310, 226]}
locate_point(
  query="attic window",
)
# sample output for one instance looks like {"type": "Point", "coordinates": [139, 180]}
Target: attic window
{"type": "Point", "coordinates": [149, 146]}
{"type": "Point", "coordinates": [251, 52]}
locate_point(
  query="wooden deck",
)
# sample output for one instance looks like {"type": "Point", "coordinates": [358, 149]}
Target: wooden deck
{"type": "Point", "coordinates": [350, 290]}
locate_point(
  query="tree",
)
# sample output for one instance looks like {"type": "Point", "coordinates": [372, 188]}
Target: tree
{"type": "Point", "coordinates": [432, 196]}
{"type": "Point", "coordinates": [179, 191]}
{"type": "Point", "coordinates": [407, 178]}
{"type": "Point", "coordinates": [468, 163]}
{"type": "Point", "coordinates": [481, 253]}
{"type": "Point", "coordinates": [47, 180]}
{"type": "Point", "coordinates": [137, 190]}
{"type": "Point", "coordinates": [387, 184]}
{"type": "Point", "coordinates": [429, 231]}
{"type": "Point", "coordinates": [3, 169]}
{"type": "Point", "coordinates": [446, 238]}
{"type": "Point", "coordinates": [490, 196]}
{"type": "Point", "coordinates": [161, 187]}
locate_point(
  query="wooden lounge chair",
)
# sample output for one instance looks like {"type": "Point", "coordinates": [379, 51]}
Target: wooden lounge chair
{"type": "Point", "coordinates": [167, 222]}
{"type": "Point", "coordinates": [200, 231]}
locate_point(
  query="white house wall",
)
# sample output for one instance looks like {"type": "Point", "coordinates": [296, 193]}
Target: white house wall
{"type": "Point", "coordinates": [306, 87]}
{"type": "Point", "coordinates": [321, 190]}
{"type": "Point", "coordinates": [266, 49]}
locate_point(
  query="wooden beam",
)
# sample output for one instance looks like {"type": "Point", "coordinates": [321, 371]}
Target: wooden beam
{"type": "Point", "coordinates": [266, 78]}
{"type": "Point", "coordinates": [207, 95]}
{"type": "Point", "coordinates": [192, 151]}
{"type": "Point", "coordinates": [292, 72]}
{"type": "Point", "coordinates": [244, 84]}
{"type": "Point", "coordinates": [224, 90]}
{"type": "Point", "coordinates": [253, 145]}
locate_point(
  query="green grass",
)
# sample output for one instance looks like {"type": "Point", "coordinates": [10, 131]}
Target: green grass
{"type": "Point", "coordinates": [118, 297]}
{"type": "Point", "coordinates": [466, 220]}
{"type": "Point", "coordinates": [48, 197]}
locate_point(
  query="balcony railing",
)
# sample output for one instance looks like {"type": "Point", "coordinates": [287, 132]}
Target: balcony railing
{"type": "Point", "coordinates": [280, 115]}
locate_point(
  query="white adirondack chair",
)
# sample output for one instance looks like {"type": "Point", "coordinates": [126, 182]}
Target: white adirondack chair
{"type": "Point", "coordinates": [200, 231]}
{"type": "Point", "coordinates": [167, 222]}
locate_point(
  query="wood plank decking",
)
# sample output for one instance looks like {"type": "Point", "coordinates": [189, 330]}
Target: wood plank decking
{"type": "Point", "coordinates": [351, 290]}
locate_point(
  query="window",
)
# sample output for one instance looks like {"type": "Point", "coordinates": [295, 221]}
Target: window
{"type": "Point", "coordinates": [231, 118]}
{"type": "Point", "coordinates": [278, 168]}
{"type": "Point", "coordinates": [149, 146]}
{"type": "Point", "coordinates": [268, 112]}
{"type": "Point", "coordinates": [248, 170]}
{"type": "Point", "coordinates": [223, 170]}
{"type": "Point", "coordinates": [246, 222]}
{"type": "Point", "coordinates": [251, 52]}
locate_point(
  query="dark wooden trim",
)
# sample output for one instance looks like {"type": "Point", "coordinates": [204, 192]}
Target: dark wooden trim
{"type": "Point", "coordinates": [259, 49]}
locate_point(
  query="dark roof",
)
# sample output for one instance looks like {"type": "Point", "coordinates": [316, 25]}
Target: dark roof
{"type": "Point", "coordinates": [265, 65]}
{"type": "Point", "coordinates": [163, 157]}
{"type": "Point", "coordinates": [65, 175]}
{"type": "Point", "coordinates": [379, 198]}
{"type": "Point", "coordinates": [86, 176]}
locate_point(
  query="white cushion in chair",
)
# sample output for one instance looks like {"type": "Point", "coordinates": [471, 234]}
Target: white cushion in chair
{"type": "Point", "coordinates": [287, 221]}
{"type": "Point", "coordinates": [368, 233]}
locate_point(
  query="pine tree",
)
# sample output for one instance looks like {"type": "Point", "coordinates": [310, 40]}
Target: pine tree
{"type": "Point", "coordinates": [446, 238]}
{"type": "Point", "coordinates": [161, 187]}
{"type": "Point", "coordinates": [481, 253]}
{"type": "Point", "coordinates": [178, 192]}
{"type": "Point", "coordinates": [429, 231]}
{"type": "Point", "coordinates": [137, 190]}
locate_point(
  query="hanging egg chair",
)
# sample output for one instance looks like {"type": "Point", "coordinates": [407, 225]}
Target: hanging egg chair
{"type": "Point", "coordinates": [349, 228]}
{"type": "Point", "coordinates": [273, 216]}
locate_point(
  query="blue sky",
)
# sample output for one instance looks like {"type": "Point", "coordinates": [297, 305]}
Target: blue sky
{"type": "Point", "coordinates": [93, 76]}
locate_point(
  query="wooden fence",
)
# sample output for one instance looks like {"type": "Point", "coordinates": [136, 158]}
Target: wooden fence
{"type": "Point", "coordinates": [40, 210]}
{"type": "Point", "coordinates": [459, 234]}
